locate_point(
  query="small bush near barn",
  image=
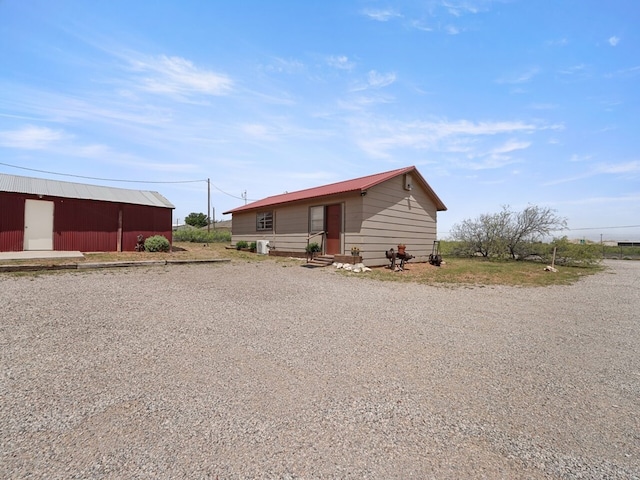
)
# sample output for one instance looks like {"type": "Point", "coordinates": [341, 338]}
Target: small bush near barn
{"type": "Point", "coordinates": [157, 243]}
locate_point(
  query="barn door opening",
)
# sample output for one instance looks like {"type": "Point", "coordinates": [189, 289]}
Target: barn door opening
{"type": "Point", "coordinates": [334, 229]}
{"type": "Point", "coordinates": [38, 225]}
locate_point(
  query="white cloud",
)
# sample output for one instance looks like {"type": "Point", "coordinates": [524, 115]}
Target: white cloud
{"type": "Point", "coordinates": [574, 69]}
{"type": "Point", "coordinates": [624, 199]}
{"type": "Point", "coordinates": [557, 43]}
{"type": "Point", "coordinates": [420, 25]}
{"type": "Point", "coordinates": [452, 30]}
{"type": "Point", "coordinates": [378, 137]}
{"type": "Point", "coordinates": [256, 130]}
{"type": "Point", "coordinates": [178, 76]}
{"type": "Point", "coordinates": [381, 15]}
{"type": "Point", "coordinates": [543, 106]}
{"type": "Point", "coordinates": [341, 62]}
{"type": "Point", "coordinates": [616, 168]}
{"type": "Point", "coordinates": [281, 65]}
{"type": "Point", "coordinates": [510, 146]}
{"type": "Point", "coordinates": [625, 72]}
{"type": "Point", "coordinates": [378, 80]}
{"type": "Point", "coordinates": [30, 137]}
{"type": "Point", "coordinates": [375, 80]}
{"type": "Point", "coordinates": [465, 127]}
{"type": "Point", "coordinates": [628, 168]}
{"type": "Point", "coordinates": [490, 162]}
{"type": "Point", "coordinates": [613, 41]}
{"type": "Point", "coordinates": [457, 9]}
{"type": "Point", "coordinates": [580, 158]}
{"type": "Point", "coordinates": [520, 77]}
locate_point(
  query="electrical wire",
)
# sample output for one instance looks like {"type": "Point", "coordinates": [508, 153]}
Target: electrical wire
{"type": "Point", "coordinates": [601, 228]}
{"type": "Point", "coordinates": [121, 180]}
{"type": "Point", "coordinates": [98, 178]}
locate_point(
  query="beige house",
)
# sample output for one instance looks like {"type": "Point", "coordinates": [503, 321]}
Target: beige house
{"type": "Point", "coordinates": [372, 213]}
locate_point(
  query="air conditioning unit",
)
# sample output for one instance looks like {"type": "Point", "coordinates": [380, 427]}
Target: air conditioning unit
{"type": "Point", "coordinates": [262, 247]}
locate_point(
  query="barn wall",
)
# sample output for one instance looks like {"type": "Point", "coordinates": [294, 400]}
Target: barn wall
{"type": "Point", "coordinates": [393, 215]}
{"type": "Point", "coordinates": [84, 225]}
{"type": "Point", "coordinates": [11, 222]}
{"type": "Point", "coordinates": [148, 221]}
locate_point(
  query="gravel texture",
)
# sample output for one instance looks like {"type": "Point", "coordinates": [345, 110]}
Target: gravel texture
{"type": "Point", "coordinates": [269, 370]}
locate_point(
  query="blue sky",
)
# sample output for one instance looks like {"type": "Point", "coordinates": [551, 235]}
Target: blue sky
{"type": "Point", "coordinates": [495, 102]}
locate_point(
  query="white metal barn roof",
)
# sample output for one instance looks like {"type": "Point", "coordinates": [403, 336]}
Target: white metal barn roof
{"type": "Point", "coordinates": [55, 188]}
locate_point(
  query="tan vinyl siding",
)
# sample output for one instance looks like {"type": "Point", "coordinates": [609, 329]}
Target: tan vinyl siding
{"type": "Point", "coordinates": [393, 215]}
{"type": "Point", "coordinates": [244, 224]}
{"type": "Point", "coordinates": [387, 215]}
{"type": "Point", "coordinates": [291, 224]}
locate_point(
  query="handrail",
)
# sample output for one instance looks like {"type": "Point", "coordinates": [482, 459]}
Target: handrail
{"type": "Point", "coordinates": [311, 235]}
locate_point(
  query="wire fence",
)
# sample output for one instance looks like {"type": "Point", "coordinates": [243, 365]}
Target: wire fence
{"type": "Point", "coordinates": [621, 252]}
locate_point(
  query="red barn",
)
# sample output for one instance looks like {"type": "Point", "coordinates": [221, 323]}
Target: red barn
{"type": "Point", "coordinates": [40, 214]}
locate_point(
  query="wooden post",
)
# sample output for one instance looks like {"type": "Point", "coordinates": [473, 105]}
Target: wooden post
{"type": "Point", "coordinates": [553, 259]}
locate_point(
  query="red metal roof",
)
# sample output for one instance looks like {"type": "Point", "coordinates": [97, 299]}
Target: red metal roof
{"type": "Point", "coordinates": [357, 184]}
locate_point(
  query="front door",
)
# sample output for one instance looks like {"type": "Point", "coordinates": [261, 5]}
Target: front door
{"type": "Point", "coordinates": [334, 229]}
{"type": "Point", "coordinates": [38, 225]}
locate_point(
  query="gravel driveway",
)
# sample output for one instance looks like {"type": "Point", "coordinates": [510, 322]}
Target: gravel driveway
{"type": "Point", "coordinates": [262, 370]}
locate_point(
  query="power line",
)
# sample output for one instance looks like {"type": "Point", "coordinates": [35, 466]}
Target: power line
{"type": "Point", "coordinates": [98, 178]}
{"type": "Point", "coordinates": [587, 228]}
{"type": "Point", "coordinates": [118, 179]}
{"type": "Point", "coordinates": [233, 196]}
{"type": "Point", "coordinates": [601, 228]}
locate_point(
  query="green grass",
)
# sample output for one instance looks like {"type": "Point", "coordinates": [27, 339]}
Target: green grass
{"type": "Point", "coordinates": [453, 272]}
{"type": "Point", "coordinates": [475, 271]}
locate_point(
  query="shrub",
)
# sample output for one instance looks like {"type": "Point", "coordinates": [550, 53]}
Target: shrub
{"type": "Point", "coordinates": [312, 248]}
{"type": "Point", "coordinates": [157, 243]}
{"type": "Point", "coordinates": [253, 246]}
{"type": "Point", "coordinates": [241, 244]}
{"type": "Point", "coordinates": [202, 236]}
{"type": "Point", "coordinates": [572, 254]}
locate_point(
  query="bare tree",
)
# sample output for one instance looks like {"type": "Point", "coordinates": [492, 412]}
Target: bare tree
{"type": "Point", "coordinates": [506, 232]}
{"type": "Point", "coordinates": [530, 225]}
{"type": "Point", "coordinates": [482, 235]}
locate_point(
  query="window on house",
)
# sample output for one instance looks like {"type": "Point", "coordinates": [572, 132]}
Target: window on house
{"type": "Point", "coordinates": [264, 221]}
{"type": "Point", "coordinates": [316, 219]}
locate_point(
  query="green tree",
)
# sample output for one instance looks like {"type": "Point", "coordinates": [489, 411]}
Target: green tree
{"type": "Point", "coordinates": [196, 219]}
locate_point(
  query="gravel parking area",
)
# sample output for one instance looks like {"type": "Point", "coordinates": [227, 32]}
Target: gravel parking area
{"type": "Point", "coordinates": [269, 370]}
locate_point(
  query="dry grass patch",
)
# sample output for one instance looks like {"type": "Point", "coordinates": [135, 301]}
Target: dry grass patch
{"type": "Point", "coordinates": [458, 271]}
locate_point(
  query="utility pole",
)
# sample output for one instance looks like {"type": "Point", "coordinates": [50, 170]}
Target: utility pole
{"type": "Point", "coordinates": [208, 205]}
{"type": "Point", "coordinates": [244, 195]}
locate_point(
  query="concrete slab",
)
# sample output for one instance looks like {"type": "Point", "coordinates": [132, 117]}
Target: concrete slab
{"type": "Point", "coordinates": [34, 254]}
